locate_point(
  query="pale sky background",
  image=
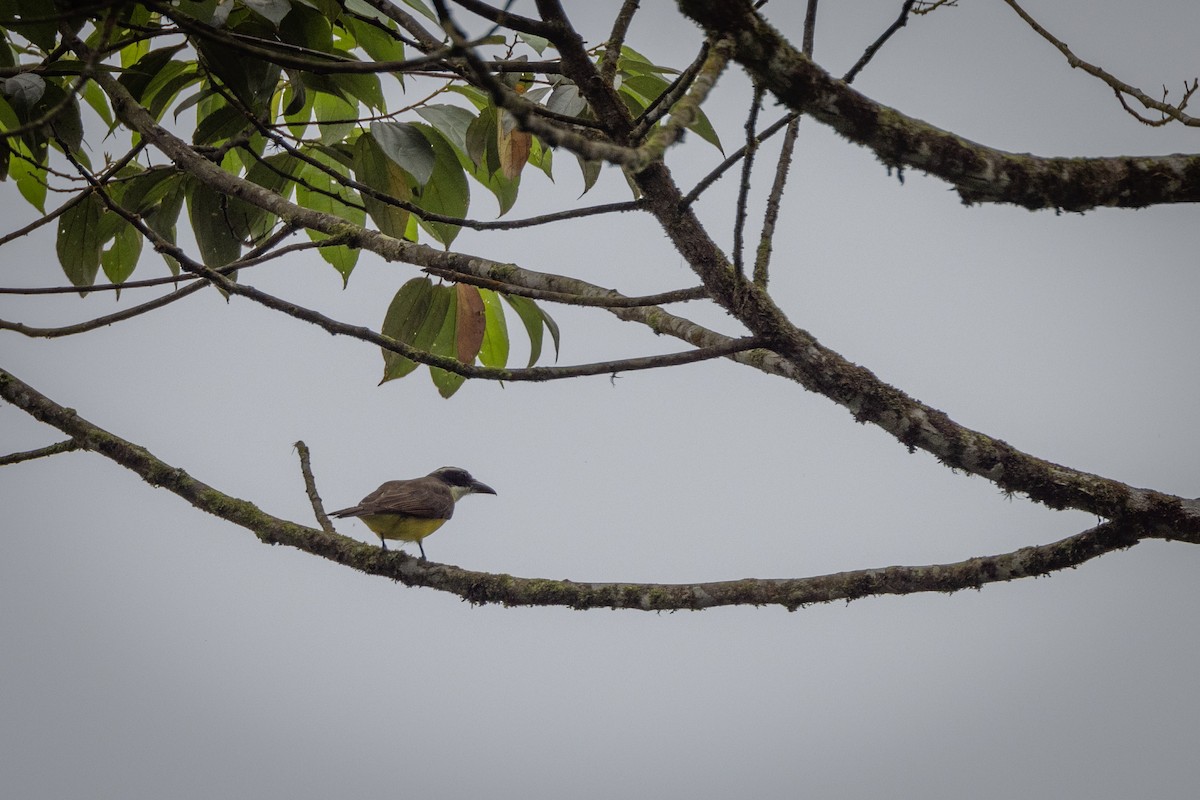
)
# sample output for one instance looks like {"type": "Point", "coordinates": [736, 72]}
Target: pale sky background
{"type": "Point", "coordinates": [149, 650]}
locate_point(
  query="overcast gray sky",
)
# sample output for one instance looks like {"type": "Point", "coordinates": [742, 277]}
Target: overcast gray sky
{"type": "Point", "coordinates": [149, 650]}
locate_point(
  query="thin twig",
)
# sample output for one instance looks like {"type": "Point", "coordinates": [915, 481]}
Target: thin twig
{"type": "Point", "coordinates": [612, 48]}
{"type": "Point", "coordinates": [733, 158]}
{"type": "Point", "coordinates": [762, 259]}
{"type": "Point", "coordinates": [743, 195]}
{"type": "Point", "coordinates": [49, 450]}
{"type": "Point", "coordinates": [873, 48]}
{"type": "Point", "coordinates": [310, 488]}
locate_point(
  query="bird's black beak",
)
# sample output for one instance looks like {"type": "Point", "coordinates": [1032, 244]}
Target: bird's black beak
{"type": "Point", "coordinates": [481, 488]}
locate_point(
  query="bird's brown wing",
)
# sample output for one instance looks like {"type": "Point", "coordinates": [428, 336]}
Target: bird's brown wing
{"type": "Point", "coordinates": [427, 498]}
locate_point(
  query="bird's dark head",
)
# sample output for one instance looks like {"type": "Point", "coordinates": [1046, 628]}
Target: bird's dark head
{"type": "Point", "coordinates": [460, 481]}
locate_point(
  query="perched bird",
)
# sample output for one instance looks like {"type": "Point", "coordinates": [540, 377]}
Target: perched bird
{"type": "Point", "coordinates": [411, 510]}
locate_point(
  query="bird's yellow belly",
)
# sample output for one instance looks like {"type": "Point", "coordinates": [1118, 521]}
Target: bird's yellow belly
{"type": "Point", "coordinates": [398, 526]}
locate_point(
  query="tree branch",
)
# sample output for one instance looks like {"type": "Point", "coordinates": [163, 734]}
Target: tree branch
{"type": "Point", "coordinates": [483, 587]}
{"type": "Point", "coordinates": [979, 173]}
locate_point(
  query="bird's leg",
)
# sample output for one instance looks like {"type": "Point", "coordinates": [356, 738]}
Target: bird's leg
{"type": "Point", "coordinates": [383, 543]}
{"type": "Point", "coordinates": [422, 547]}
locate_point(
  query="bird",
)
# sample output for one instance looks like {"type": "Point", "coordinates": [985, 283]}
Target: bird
{"type": "Point", "coordinates": [410, 510]}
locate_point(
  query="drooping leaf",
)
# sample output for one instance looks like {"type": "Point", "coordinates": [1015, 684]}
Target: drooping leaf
{"type": "Point", "coordinates": [531, 318]}
{"type": "Point", "coordinates": [422, 7]}
{"type": "Point", "coordinates": [24, 90]}
{"type": "Point", "coordinates": [272, 10]}
{"type": "Point", "coordinates": [215, 235]}
{"type": "Point", "coordinates": [364, 88]}
{"type": "Point", "coordinates": [65, 120]}
{"type": "Point", "coordinates": [538, 43]}
{"type": "Point", "coordinates": [450, 121]}
{"type": "Point", "coordinates": [484, 161]}
{"type": "Point", "coordinates": [373, 168]}
{"type": "Point", "coordinates": [274, 173]}
{"type": "Point", "coordinates": [162, 218]}
{"type": "Point", "coordinates": [319, 191]}
{"type": "Point", "coordinates": [634, 63]}
{"type": "Point", "coordinates": [29, 174]}
{"type": "Point", "coordinates": [447, 192]}
{"type": "Point", "coordinates": [218, 122]}
{"type": "Point", "coordinates": [513, 145]}
{"type": "Point", "coordinates": [494, 350]}
{"type": "Point", "coordinates": [43, 31]}
{"type": "Point", "coordinates": [137, 77]}
{"type": "Point", "coordinates": [120, 258]}
{"type": "Point", "coordinates": [335, 117]}
{"type": "Point", "coordinates": [470, 323]}
{"type": "Point", "coordinates": [79, 243]}
{"type": "Point", "coordinates": [404, 143]}
{"type": "Point", "coordinates": [377, 44]}
{"type": "Point", "coordinates": [445, 344]}
{"type": "Point", "coordinates": [404, 319]}
{"type": "Point", "coordinates": [252, 80]}
{"type": "Point", "coordinates": [590, 171]}
{"type": "Point", "coordinates": [649, 87]}
{"type": "Point", "coordinates": [566, 99]}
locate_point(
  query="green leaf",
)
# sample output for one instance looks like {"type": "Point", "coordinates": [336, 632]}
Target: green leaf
{"type": "Point", "coordinates": [252, 80]}
{"type": "Point", "coordinates": [319, 191]}
{"type": "Point", "coordinates": [274, 173]}
{"type": "Point", "coordinates": [478, 98]}
{"type": "Point", "coordinates": [494, 352]}
{"type": "Point", "coordinates": [373, 168]}
{"type": "Point", "coordinates": [167, 84]}
{"type": "Point", "coordinates": [122, 255]}
{"type": "Point", "coordinates": [24, 90]}
{"type": "Point", "coordinates": [377, 44]}
{"type": "Point", "coordinates": [143, 188]}
{"type": "Point", "coordinates": [28, 173]}
{"type": "Point", "coordinates": [335, 117]}
{"type": "Point", "coordinates": [365, 88]}
{"type": "Point", "coordinates": [423, 8]}
{"type": "Point", "coordinates": [98, 101]}
{"type": "Point", "coordinates": [66, 122]}
{"type": "Point", "coordinates": [590, 170]}
{"type": "Point", "coordinates": [215, 235]}
{"type": "Point", "coordinates": [404, 319]}
{"type": "Point", "coordinates": [445, 343]}
{"type": "Point", "coordinates": [162, 218]}
{"type": "Point", "coordinates": [566, 99]}
{"type": "Point", "coordinates": [218, 123]}
{"type": "Point", "coordinates": [446, 192]}
{"type": "Point", "coordinates": [272, 10]}
{"type": "Point", "coordinates": [43, 32]}
{"type": "Point", "coordinates": [450, 121]}
{"type": "Point", "coordinates": [538, 43]}
{"type": "Point", "coordinates": [531, 318]}
{"type": "Point", "coordinates": [634, 63]}
{"type": "Point", "coordinates": [649, 87]}
{"type": "Point", "coordinates": [485, 163]}
{"type": "Point", "coordinates": [79, 242]}
{"type": "Point", "coordinates": [404, 143]}
{"type": "Point", "coordinates": [138, 77]}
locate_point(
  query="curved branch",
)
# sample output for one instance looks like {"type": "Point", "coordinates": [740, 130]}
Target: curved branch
{"type": "Point", "coordinates": [99, 322]}
{"type": "Point", "coordinates": [978, 172]}
{"type": "Point", "coordinates": [1169, 111]}
{"type": "Point", "coordinates": [484, 587]}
